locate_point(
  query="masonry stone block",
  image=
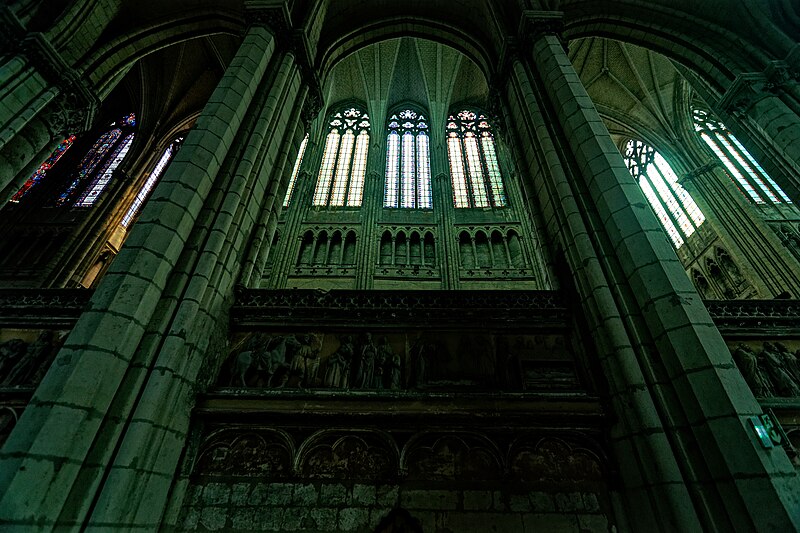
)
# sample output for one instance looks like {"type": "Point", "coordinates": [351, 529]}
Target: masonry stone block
{"type": "Point", "coordinates": [333, 495]}
{"type": "Point", "coordinates": [364, 495]}
{"type": "Point", "coordinates": [216, 494]}
{"type": "Point", "coordinates": [279, 494]}
{"type": "Point", "coordinates": [304, 495]}
{"type": "Point", "coordinates": [429, 499]}
{"type": "Point", "coordinates": [351, 519]}
{"type": "Point", "coordinates": [477, 500]}
{"type": "Point", "coordinates": [387, 495]}
{"type": "Point", "coordinates": [213, 518]}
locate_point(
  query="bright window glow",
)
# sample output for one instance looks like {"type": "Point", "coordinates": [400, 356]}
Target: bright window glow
{"type": "Point", "coordinates": [295, 171]}
{"type": "Point", "coordinates": [460, 195]}
{"type": "Point", "coordinates": [392, 172]}
{"type": "Point", "coordinates": [90, 161]}
{"type": "Point", "coordinates": [408, 177]}
{"type": "Point", "coordinates": [679, 214]}
{"type": "Point", "coordinates": [356, 191]}
{"type": "Point", "coordinates": [40, 173]}
{"type": "Point", "coordinates": [342, 169]}
{"type": "Point", "coordinates": [151, 181]}
{"type": "Point", "coordinates": [104, 176]}
{"type": "Point", "coordinates": [752, 179]}
{"type": "Point", "coordinates": [341, 179]}
{"type": "Point", "coordinates": [495, 182]}
{"type": "Point", "coordinates": [326, 169]}
{"type": "Point", "coordinates": [463, 130]}
{"type": "Point", "coordinates": [476, 176]}
{"type": "Point", "coordinates": [409, 170]}
{"type": "Point", "coordinates": [423, 172]}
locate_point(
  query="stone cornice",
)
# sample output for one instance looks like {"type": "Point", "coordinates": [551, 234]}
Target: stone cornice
{"type": "Point", "coordinates": [751, 87]}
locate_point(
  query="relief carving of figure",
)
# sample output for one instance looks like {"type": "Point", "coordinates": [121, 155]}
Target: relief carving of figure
{"type": "Point", "coordinates": [790, 362]}
{"type": "Point", "coordinates": [32, 366]}
{"type": "Point", "coordinates": [11, 352]}
{"type": "Point", "coordinates": [305, 362]}
{"type": "Point", "coordinates": [338, 365]}
{"type": "Point", "coordinates": [365, 370]}
{"type": "Point", "coordinates": [393, 366]}
{"type": "Point", "coordinates": [747, 362]}
{"type": "Point", "coordinates": [782, 381]}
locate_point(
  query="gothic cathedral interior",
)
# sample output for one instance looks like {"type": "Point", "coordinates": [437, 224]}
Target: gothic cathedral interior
{"type": "Point", "coordinates": [398, 266]}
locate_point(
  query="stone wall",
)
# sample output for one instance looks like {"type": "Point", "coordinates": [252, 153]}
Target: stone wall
{"type": "Point", "coordinates": [237, 505]}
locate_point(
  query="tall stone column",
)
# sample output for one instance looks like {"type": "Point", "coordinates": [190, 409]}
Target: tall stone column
{"type": "Point", "coordinates": [681, 432]}
{"type": "Point", "coordinates": [121, 390]}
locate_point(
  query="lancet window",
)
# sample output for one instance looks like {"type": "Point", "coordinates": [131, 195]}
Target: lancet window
{"type": "Point", "coordinates": [295, 171]}
{"type": "Point", "coordinates": [474, 170]}
{"type": "Point", "coordinates": [150, 182]}
{"type": "Point", "coordinates": [344, 161]}
{"type": "Point", "coordinates": [751, 178]}
{"type": "Point", "coordinates": [41, 172]}
{"type": "Point", "coordinates": [676, 210]}
{"type": "Point", "coordinates": [408, 167]}
{"type": "Point", "coordinates": [95, 170]}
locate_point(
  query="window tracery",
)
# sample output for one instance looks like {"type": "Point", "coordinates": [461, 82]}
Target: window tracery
{"type": "Point", "coordinates": [41, 172]}
{"type": "Point", "coordinates": [344, 161]}
{"type": "Point", "coordinates": [474, 170]}
{"type": "Point", "coordinates": [674, 207]}
{"type": "Point", "coordinates": [752, 179]}
{"type": "Point", "coordinates": [106, 155]}
{"type": "Point", "coordinates": [408, 169]}
{"type": "Point", "coordinates": [150, 183]}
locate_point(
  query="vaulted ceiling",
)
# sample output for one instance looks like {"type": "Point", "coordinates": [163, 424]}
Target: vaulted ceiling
{"type": "Point", "coordinates": [408, 69]}
{"type": "Point", "coordinates": [638, 92]}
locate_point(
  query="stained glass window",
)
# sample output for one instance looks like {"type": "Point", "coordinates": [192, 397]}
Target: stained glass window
{"type": "Point", "coordinates": [295, 171]}
{"type": "Point", "coordinates": [40, 173]}
{"type": "Point", "coordinates": [151, 181]}
{"type": "Point", "coordinates": [674, 207]}
{"type": "Point", "coordinates": [408, 168]}
{"type": "Point", "coordinates": [98, 165]}
{"type": "Point", "coordinates": [474, 169]}
{"type": "Point", "coordinates": [752, 180]}
{"type": "Point", "coordinates": [344, 161]}
{"type": "Point", "coordinates": [103, 177]}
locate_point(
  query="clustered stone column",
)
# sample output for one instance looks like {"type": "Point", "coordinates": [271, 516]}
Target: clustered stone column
{"type": "Point", "coordinates": [119, 395]}
{"type": "Point", "coordinates": [681, 435]}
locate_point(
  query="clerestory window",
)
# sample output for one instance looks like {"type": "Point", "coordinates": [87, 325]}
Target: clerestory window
{"type": "Point", "coordinates": [408, 167]}
{"type": "Point", "coordinates": [295, 171]}
{"type": "Point", "coordinates": [95, 170]}
{"type": "Point", "coordinates": [344, 161]}
{"type": "Point", "coordinates": [676, 210]}
{"type": "Point", "coordinates": [753, 181]}
{"type": "Point", "coordinates": [151, 181]}
{"type": "Point", "coordinates": [474, 169]}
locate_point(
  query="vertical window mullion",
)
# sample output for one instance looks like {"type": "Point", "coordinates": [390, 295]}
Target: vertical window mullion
{"type": "Point", "coordinates": [746, 171]}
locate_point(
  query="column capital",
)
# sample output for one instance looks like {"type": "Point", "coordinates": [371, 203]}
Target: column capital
{"type": "Point", "coordinates": [74, 109]}
{"type": "Point", "coordinates": [535, 24]}
{"type": "Point", "coordinates": [751, 87]}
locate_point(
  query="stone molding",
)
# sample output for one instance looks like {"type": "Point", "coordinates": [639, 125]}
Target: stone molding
{"type": "Point", "coordinates": [275, 15]}
{"type": "Point", "coordinates": [73, 109]}
{"type": "Point", "coordinates": [751, 87]}
{"type": "Point", "coordinates": [393, 308]}
{"type": "Point", "coordinates": [42, 307]}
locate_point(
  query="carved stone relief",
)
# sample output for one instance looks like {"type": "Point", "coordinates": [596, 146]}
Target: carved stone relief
{"type": "Point", "coordinates": [771, 371]}
{"type": "Point", "coordinates": [424, 360]}
{"type": "Point", "coordinates": [26, 355]}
